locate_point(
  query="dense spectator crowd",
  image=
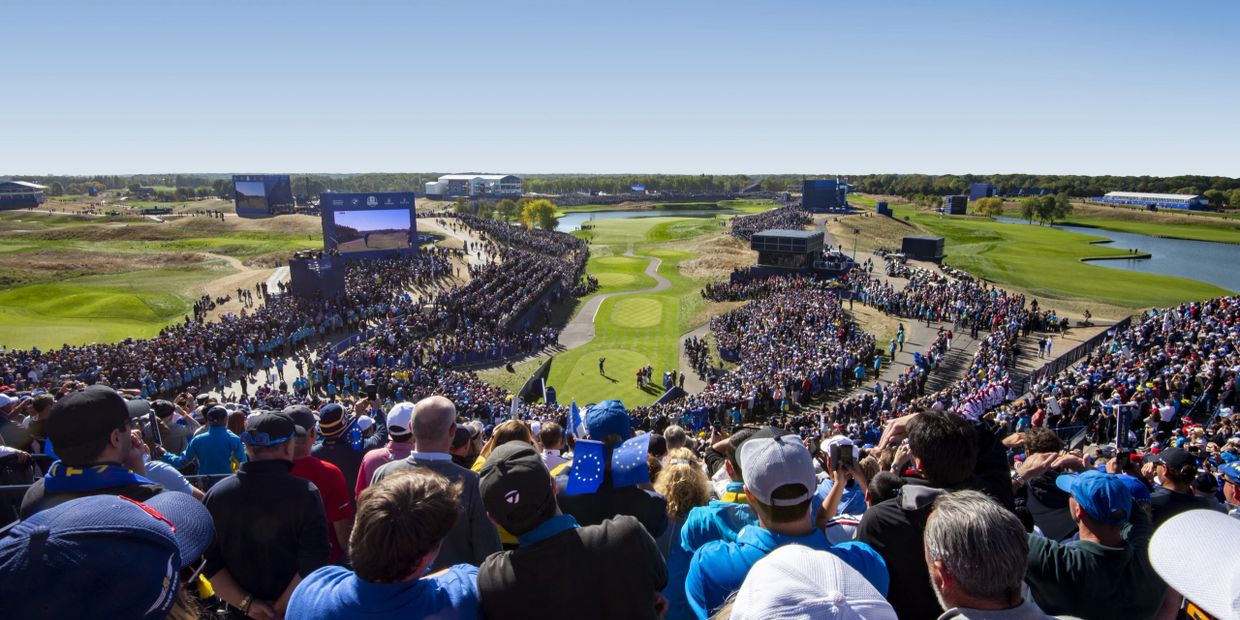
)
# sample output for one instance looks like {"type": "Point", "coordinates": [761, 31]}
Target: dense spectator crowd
{"type": "Point", "coordinates": [383, 481]}
{"type": "Point", "coordinates": [792, 217]}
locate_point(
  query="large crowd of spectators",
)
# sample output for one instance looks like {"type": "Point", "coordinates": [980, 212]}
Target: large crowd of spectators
{"type": "Point", "coordinates": [791, 217]}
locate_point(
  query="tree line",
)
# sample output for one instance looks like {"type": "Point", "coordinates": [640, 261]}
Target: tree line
{"type": "Point", "coordinates": [1221, 191]}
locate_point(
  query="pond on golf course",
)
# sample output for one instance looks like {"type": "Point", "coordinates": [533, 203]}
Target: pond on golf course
{"type": "Point", "coordinates": [573, 221]}
{"type": "Point", "coordinates": [1206, 261]}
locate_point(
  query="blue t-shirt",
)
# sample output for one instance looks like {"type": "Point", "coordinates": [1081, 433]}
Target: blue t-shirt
{"type": "Point", "coordinates": [714, 521]}
{"type": "Point", "coordinates": [336, 593]}
{"type": "Point", "coordinates": [719, 568]}
{"type": "Point", "coordinates": [851, 503]}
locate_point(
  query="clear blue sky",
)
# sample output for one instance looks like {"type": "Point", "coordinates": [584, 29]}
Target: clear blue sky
{"type": "Point", "coordinates": [383, 219]}
{"type": "Point", "coordinates": [1106, 87]}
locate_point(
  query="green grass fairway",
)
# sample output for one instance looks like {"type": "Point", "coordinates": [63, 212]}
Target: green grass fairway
{"type": "Point", "coordinates": [632, 331]}
{"type": "Point", "coordinates": [1047, 262]}
{"type": "Point", "coordinates": [104, 308]}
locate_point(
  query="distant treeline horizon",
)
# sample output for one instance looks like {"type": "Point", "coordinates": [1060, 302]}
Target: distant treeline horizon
{"type": "Point", "coordinates": [894, 184]}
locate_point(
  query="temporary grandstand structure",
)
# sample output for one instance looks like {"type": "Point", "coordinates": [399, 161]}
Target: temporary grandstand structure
{"type": "Point", "coordinates": [20, 194]}
{"type": "Point", "coordinates": [475, 185]}
{"type": "Point", "coordinates": [1171, 201]}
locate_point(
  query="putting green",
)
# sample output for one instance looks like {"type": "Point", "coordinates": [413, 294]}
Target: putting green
{"type": "Point", "coordinates": [620, 261]}
{"type": "Point", "coordinates": [637, 312]}
{"type": "Point", "coordinates": [614, 279]}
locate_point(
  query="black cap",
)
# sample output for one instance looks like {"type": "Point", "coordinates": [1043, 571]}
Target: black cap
{"type": "Point", "coordinates": [84, 416]}
{"type": "Point", "coordinates": [516, 488]}
{"type": "Point", "coordinates": [216, 414]}
{"type": "Point", "coordinates": [302, 416]}
{"type": "Point", "coordinates": [1206, 482]}
{"type": "Point", "coordinates": [1175, 458]}
{"type": "Point", "coordinates": [138, 407]}
{"type": "Point", "coordinates": [461, 438]}
{"type": "Point", "coordinates": [163, 408]}
{"type": "Point", "coordinates": [268, 429]}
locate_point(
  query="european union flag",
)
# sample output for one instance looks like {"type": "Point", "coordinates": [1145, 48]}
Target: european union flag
{"type": "Point", "coordinates": [587, 472]}
{"type": "Point", "coordinates": [575, 425]}
{"type": "Point", "coordinates": [628, 462]}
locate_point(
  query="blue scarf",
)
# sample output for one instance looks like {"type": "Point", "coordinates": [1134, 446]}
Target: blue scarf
{"type": "Point", "coordinates": [63, 478]}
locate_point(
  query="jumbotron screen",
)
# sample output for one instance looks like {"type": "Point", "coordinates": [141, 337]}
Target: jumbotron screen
{"type": "Point", "coordinates": [369, 225]}
{"type": "Point", "coordinates": [373, 230]}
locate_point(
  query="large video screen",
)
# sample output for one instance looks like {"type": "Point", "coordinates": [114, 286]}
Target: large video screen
{"type": "Point", "coordinates": [251, 197]}
{"type": "Point", "coordinates": [368, 231]}
{"type": "Point", "coordinates": [369, 225]}
{"type": "Point", "coordinates": [262, 195]}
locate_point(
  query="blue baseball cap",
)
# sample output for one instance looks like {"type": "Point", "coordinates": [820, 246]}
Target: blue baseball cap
{"type": "Point", "coordinates": [102, 556]}
{"type": "Point", "coordinates": [1105, 497]}
{"type": "Point", "coordinates": [1230, 472]}
{"type": "Point", "coordinates": [1140, 492]}
{"type": "Point", "coordinates": [608, 418]}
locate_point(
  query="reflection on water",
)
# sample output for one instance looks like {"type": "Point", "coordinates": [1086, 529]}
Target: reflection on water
{"type": "Point", "coordinates": [1216, 263]}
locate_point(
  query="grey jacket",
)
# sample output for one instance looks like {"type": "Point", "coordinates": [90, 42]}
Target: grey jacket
{"type": "Point", "coordinates": [473, 537]}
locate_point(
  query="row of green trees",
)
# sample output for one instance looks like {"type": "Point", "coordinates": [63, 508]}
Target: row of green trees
{"type": "Point", "coordinates": [530, 212]}
{"type": "Point", "coordinates": [1222, 191]}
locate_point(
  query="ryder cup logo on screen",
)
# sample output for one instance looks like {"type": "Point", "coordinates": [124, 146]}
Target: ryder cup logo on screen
{"type": "Point", "coordinates": [371, 201]}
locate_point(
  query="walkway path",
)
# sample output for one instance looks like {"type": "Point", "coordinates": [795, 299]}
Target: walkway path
{"type": "Point", "coordinates": [580, 329]}
{"type": "Point", "coordinates": [693, 383]}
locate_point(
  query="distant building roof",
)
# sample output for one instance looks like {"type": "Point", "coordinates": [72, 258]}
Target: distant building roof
{"type": "Point", "coordinates": [23, 184]}
{"type": "Point", "coordinates": [467, 177]}
{"type": "Point", "coordinates": [1147, 196]}
{"type": "Point", "coordinates": [796, 234]}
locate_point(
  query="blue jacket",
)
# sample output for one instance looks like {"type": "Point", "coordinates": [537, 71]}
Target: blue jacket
{"type": "Point", "coordinates": [715, 521]}
{"type": "Point", "coordinates": [719, 568]}
{"type": "Point", "coordinates": [214, 449]}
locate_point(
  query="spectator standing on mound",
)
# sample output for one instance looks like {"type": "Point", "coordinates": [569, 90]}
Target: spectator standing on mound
{"type": "Point", "coordinates": [609, 423]}
{"type": "Point", "coordinates": [1176, 469]}
{"type": "Point", "coordinates": [473, 537]}
{"type": "Point", "coordinates": [89, 430]}
{"type": "Point", "coordinates": [255, 569]}
{"type": "Point", "coordinates": [401, 524]}
{"type": "Point", "coordinates": [977, 552]}
{"type": "Point", "coordinates": [1106, 574]}
{"type": "Point", "coordinates": [215, 450]}
{"type": "Point", "coordinates": [327, 478]}
{"type": "Point", "coordinates": [400, 445]}
{"type": "Point", "coordinates": [335, 446]}
{"type": "Point", "coordinates": [604, 571]}
{"type": "Point", "coordinates": [780, 483]}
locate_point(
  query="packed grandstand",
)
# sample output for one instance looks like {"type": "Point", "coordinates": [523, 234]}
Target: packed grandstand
{"type": "Point", "coordinates": [794, 485]}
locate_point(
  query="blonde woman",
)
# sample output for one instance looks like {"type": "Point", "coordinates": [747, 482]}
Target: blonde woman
{"type": "Point", "coordinates": [512, 430]}
{"type": "Point", "coordinates": [684, 483]}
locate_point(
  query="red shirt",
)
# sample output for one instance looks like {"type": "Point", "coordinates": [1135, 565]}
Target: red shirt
{"type": "Point", "coordinates": [337, 502]}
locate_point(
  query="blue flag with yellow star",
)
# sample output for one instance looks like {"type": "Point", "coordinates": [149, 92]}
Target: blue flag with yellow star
{"type": "Point", "coordinates": [628, 462]}
{"type": "Point", "coordinates": [587, 472]}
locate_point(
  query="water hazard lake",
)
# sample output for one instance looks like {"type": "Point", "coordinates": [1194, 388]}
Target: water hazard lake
{"type": "Point", "coordinates": [1206, 261]}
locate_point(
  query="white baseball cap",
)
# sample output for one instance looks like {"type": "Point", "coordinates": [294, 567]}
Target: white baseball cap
{"type": "Point", "coordinates": [1194, 552]}
{"type": "Point", "coordinates": [839, 440]}
{"type": "Point", "coordinates": [771, 459]}
{"type": "Point", "coordinates": [797, 583]}
{"type": "Point", "coordinates": [399, 417]}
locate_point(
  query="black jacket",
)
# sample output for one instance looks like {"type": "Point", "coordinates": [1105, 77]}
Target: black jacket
{"type": "Point", "coordinates": [648, 507]}
{"type": "Point", "coordinates": [269, 526]}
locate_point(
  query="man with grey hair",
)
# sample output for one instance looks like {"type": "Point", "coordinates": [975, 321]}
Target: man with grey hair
{"type": "Point", "coordinates": [977, 552]}
{"type": "Point", "coordinates": [675, 437]}
{"type": "Point", "coordinates": [473, 537]}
